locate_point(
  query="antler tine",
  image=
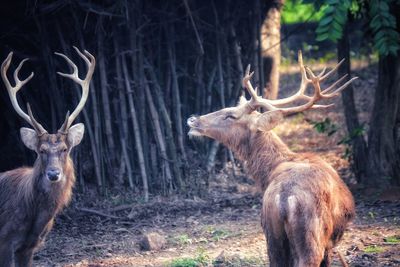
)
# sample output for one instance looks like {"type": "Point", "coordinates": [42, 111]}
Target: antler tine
{"type": "Point", "coordinates": [74, 75]}
{"type": "Point", "coordinates": [318, 94]}
{"type": "Point", "coordinates": [85, 83]}
{"type": "Point", "coordinates": [247, 84]}
{"type": "Point", "coordinates": [322, 72]}
{"type": "Point", "coordinates": [35, 124]}
{"type": "Point", "coordinates": [255, 100]}
{"type": "Point", "coordinates": [82, 55]}
{"type": "Point", "coordinates": [13, 90]}
{"type": "Point", "coordinates": [322, 106]}
{"type": "Point", "coordinates": [307, 77]}
{"type": "Point", "coordinates": [85, 58]}
{"type": "Point", "coordinates": [303, 86]}
{"type": "Point", "coordinates": [324, 77]}
{"type": "Point", "coordinates": [340, 89]}
{"type": "Point", "coordinates": [16, 78]}
{"type": "Point", "coordinates": [334, 84]}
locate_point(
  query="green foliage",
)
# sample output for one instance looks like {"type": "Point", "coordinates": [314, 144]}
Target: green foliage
{"type": "Point", "coordinates": [329, 128]}
{"type": "Point", "coordinates": [383, 26]}
{"type": "Point", "coordinates": [220, 234]}
{"type": "Point", "coordinates": [374, 249]}
{"type": "Point", "coordinates": [295, 11]}
{"type": "Point", "coordinates": [182, 240]}
{"type": "Point", "coordinates": [185, 262]}
{"type": "Point", "coordinates": [325, 126]}
{"type": "Point", "coordinates": [215, 234]}
{"type": "Point", "coordinates": [333, 20]}
{"type": "Point", "coordinates": [382, 23]}
{"type": "Point", "coordinates": [360, 131]}
{"type": "Point", "coordinates": [201, 259]}
{"type": "Point", "coordinates": [392, 239]}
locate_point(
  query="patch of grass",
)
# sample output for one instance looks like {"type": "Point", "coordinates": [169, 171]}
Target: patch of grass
{"type": "Point", "coordinates": [374, 249]}
{"type": "Point", "coordinates": [392, 239]}
{"type": "Point", "coordinates": [219, 234]}
{"type": "Point", "coordinates": [237, 261]}
{"type": "Point", "coordinates": [182, 240]}
{"type": "Point", "coordinates": [200, 260]}
{"type": "Point", "coordinates": [185, 262]}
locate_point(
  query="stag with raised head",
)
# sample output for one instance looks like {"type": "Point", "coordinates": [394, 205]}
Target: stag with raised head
{"type": "Point", "coordinates": [306, 206]}
{"type": "Point", "coordinates": [30, 198]}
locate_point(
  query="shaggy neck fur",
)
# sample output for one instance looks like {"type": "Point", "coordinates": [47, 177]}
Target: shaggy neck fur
{"type": "Point", "coordinates": [261, 153]}
{"type": "Point", "coordinates": [33, 190]}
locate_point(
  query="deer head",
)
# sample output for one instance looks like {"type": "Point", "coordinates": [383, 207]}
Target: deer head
{"type": "Point", "coordinates": [52, 149]}
{"type": "Point", "coordinates": [234, 125]}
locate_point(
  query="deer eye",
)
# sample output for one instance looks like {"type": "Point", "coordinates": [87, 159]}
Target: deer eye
{"type": "Point", "coordinates": [64, 149]}
{"type": "Point", "coordinates": [230, 117]}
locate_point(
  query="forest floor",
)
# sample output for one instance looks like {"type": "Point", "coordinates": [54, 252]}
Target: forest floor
{"type": "Point", "coordinates": [222, 228]}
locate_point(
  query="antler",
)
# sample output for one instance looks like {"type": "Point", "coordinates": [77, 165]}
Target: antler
{"type": "Point", "coordinates": [13, 90]}
{"type": "Point", "coordinates": [90, 63]}
{"type": "Point", "coordinates": [257, 101]}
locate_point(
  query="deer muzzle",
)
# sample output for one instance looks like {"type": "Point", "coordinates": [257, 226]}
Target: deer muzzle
{"type": "Point", "coordinates": [194, 124]}
{"type": "Point", "coordinates": [53, 175]}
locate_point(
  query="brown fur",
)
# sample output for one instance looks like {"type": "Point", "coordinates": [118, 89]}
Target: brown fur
{"type": "Point", "coordinates": [306, 206]}
{"type": "Point", "coordinates": [29, 203]}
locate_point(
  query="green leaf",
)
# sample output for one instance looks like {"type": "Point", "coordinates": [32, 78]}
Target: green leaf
{"type": "Point", "coordinates": [324, 21]}
{"type": "Point", "coordinates": [322, 37]}
{"type": "Point", "coordinates": [383, 25]}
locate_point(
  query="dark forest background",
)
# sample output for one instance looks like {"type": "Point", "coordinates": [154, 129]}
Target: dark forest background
{"type": "Point", "coordinates": [158, 62]}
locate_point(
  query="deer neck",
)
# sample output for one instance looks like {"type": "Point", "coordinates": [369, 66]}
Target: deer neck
{"type": "Point", "coordinates": [262, 153]}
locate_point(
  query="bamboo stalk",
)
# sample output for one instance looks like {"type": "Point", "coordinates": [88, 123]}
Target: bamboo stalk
{"type": "Point", "coordinates": [105, 97]}
{"type": "Point", "coordinates": [176, 98]}
{"type": "Point", "coordinates": [159, 135]}
{"type": "Point", "coordinates": [122, 109]}
{"type": "Point", "coordinates": [169, 137]}
{"type": "Point", "coordinates": [136, 130]}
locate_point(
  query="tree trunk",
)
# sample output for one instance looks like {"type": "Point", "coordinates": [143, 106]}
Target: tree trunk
{"type": "Point", "coordinates": [384, 163]}
{"type": "Point", "coordinates": [383, 139]}
{"type": "Point", "coordinates": [271, 48]}
{"type": "Point", "coordinates": [359, 148]}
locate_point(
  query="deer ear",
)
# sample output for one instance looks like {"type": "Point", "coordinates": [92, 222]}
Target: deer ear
{"type": "Point", "coordinates": [29, 138]}
{"type": "Point", "coordinates": [75, 134]}
{"type": "Point", "coordinates": [269, 120]}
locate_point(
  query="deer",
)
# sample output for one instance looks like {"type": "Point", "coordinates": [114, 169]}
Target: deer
{"type": "Point", "coordinates": [306, 206]}
{"type": "Point", "coordinates": [31, 197]}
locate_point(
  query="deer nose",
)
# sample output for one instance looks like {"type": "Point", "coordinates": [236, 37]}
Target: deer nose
{"type": "Point", "coordinates": [191, 121]}
{"type": "Point", "coordinates": [53, 175]}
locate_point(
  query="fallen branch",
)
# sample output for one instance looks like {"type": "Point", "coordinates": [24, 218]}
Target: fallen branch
{"type": "Point", "coordinates": [99, 213]}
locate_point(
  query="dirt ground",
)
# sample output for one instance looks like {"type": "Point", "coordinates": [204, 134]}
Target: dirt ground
{"type": "Point", "coordinates": [222, 228]}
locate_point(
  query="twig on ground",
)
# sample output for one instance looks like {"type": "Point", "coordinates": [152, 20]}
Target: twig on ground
{"type": "Point", "coordinates": [99, 213]}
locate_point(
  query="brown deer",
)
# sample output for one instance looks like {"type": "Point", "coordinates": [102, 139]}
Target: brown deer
{"type": "Point", "coordinates": [30, 198]}
{"type": "Point", "coordinates": [306, 206]}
